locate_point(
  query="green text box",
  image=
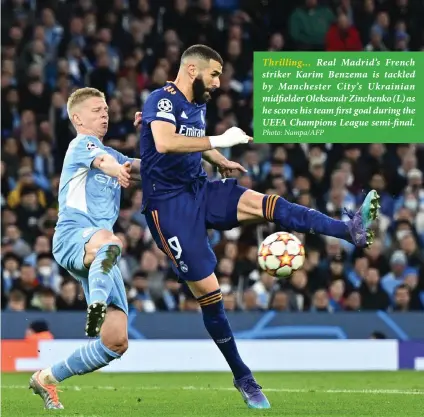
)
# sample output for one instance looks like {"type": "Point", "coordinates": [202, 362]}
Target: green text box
{"type": "Point", "coordinates": [341, 97]}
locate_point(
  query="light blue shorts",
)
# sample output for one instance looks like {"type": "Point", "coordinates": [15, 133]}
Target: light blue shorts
{"type": "Point", "coordinates": [69, 251]}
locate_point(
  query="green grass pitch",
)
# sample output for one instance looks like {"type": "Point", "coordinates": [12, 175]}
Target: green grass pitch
{"type": "Point", "coordinates": [292, 394]}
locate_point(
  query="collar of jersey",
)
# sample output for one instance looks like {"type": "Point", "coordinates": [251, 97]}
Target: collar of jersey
{"type": "Point", "coordinates": [80, 136]}
{"type": "Point", "coordinates": [182, 95]}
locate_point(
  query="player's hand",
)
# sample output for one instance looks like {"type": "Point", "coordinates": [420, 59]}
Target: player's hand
{"type": "Point", "coordinates": [124, 175]}
{"type": "Point", "coordinates": [227, 167]}
{"type": "Point", "coordinates": [137, 119]}
{"type": "Point", "coordinates": [231, 137]}
{"type": "Point", "coordinates": [236, 136]}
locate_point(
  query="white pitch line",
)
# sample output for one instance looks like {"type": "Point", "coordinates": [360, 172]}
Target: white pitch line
{"type": "Point", "coordinates": [193, 388]}
{"type": "Point", "coordinates": [327, 391]}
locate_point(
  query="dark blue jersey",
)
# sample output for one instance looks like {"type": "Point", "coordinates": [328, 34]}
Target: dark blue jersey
{"type": "Point", "coordinates": [166, 175]}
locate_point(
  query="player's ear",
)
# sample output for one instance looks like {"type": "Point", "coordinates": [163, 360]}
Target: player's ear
{"type": "Point", "coordinates": [192, 70]}
{"type": "Point", "coordinates": [76, 119]}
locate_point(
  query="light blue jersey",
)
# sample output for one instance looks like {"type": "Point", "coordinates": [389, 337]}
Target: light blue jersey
{"type": "Point", "coordinates": [87, 196]}
{"type": "Point", "coordinates": [89, 201]}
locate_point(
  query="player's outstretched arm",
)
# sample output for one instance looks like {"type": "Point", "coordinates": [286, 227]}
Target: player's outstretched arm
{"type": "Point", "coordinates": [225, 166]}
{"type": "Point", "coordinates": [135, 171]}
{"type": "Point", "coordinates": [214, 157]}
{"type": "Point", "coordinates": [110, 166]}
{"type": "Point", "coordinates": [107, 164]}
{"type": "Point", "coordinates": [168, 141]}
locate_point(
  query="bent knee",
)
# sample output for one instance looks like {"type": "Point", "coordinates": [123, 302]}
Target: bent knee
{"type": "Point", "coordinates": [250, 206]}
{"type": "Point", "coordinates": [112, 242]}
{"type": "Point", "coordinates": [204, 286]}
{"type": "Point", "coordinates": [99, 240]}
{"type": "Point", "coordinates": [117, 344]}
{"type": "Point", "coordinates": [103, 237]}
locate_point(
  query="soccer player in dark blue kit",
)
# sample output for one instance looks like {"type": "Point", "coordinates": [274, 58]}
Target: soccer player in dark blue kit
{"type": "Point", "coordinates": [180, 203]}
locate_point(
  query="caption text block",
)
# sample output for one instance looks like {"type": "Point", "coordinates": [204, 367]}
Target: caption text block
{"type": "Point", "coordinates": [341, 97]}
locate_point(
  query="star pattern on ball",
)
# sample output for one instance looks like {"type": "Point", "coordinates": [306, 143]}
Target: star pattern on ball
{"type": "Point", "coordinates": [286, 259]}
{"type": "Point", "coordinates": [283, 237]}
{"type": "Point", "coordinates": [280, 254]}
{"type": "Point", "coordinates": [265, 252]}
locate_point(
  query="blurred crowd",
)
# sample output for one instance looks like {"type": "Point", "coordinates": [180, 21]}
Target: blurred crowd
{"type": "Point", "coordinates": [127, 48]}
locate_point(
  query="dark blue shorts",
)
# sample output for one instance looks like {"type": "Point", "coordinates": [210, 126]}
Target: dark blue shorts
{"type": "Point", "coordinates": [179, 225]}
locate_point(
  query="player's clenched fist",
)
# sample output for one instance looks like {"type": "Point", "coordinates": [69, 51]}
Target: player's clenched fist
{"type": "Point", "coordinates": [124, 175]}
{"type": "Point", "coordinates": [231, 137]}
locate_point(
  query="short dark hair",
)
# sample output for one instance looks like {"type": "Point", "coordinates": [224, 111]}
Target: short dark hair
{"type": "Point", "coordinates": [44, 255]}
{"type": "Point", "coordinates": [29, 189]}
{"type": "Point", "coordinates": [66, 281]}
{"type": "Point", "coordinates": [16, 295]}
{"type": "Point", "coordinates": [203, 52]}
{"type": "Point", "coordinates": [46, 292]}
{"type": "Point", "coordinates": [402, 287]}
{"type": "Point", "coordinates": [140, 274]}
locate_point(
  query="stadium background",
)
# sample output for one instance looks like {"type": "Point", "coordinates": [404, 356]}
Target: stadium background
{"type": "Point", "coordinates": [127, 49]}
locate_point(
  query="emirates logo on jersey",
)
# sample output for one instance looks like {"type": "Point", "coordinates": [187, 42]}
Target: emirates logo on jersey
{"type": "Point", "coordinates": [191, 131]}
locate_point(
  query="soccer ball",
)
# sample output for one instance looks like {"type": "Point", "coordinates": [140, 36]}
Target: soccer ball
{"type": "Point", "coordinates": [280, 254]}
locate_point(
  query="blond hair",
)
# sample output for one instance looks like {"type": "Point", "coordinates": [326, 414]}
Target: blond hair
{"type": "Point", "coordinates": [80, 95]}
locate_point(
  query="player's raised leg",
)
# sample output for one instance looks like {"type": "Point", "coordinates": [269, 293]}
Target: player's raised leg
{"type": "Point", "coordinates": [305, 220]}
{"type": "Point", "coordinates": [209, 296]}
{"type": "Point", "coordinates": [102, 253]}
{"type": "Point", "coordinates": [112, 344]}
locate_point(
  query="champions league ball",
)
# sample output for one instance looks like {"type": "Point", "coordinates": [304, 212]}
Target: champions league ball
{"type": "Point", "coordinates": [280, 254]}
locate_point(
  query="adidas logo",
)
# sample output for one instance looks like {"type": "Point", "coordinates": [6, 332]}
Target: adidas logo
{"type": "Point", "coordinates": [183, 115]}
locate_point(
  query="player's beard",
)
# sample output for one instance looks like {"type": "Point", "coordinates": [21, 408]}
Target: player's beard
{"type": "Point", "coordinates": [201, 94]}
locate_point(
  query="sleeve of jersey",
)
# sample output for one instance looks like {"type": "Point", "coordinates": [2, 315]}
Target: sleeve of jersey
{"type": "Point", "coordinates": [85, 152]}
{"type": "Point", "coordinates": [161, 106]}
{"type": "Point", "coordinates": [121, 158]}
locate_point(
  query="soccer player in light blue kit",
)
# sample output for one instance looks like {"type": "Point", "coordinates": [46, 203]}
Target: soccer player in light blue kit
{"type": "Point", "coordinates": [84, 243]}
